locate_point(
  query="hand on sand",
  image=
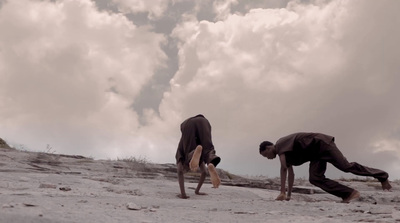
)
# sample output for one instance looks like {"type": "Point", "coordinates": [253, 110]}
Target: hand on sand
{"type": "Point", "coordinates": [281, 197]}
{"type": "Point", "coordinates": [195, 161]}
{"type": "Point", "coordinates": [182, 196]}
{"type": "Point", "coordinates": [215, 180]}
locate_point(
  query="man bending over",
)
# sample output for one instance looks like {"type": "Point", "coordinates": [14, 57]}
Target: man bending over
{"type": "Point", "coordinates": [318, 149]}
{"type": "Point", "coordinates": [196, 149]}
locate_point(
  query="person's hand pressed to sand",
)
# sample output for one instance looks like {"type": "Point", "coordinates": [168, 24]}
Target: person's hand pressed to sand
{"type": "Point", "coordinates": [201, 180]}
{"type": "Point", "coordinates": [281, 197]}
{"type": "Point", "coordinates": [180, 170]}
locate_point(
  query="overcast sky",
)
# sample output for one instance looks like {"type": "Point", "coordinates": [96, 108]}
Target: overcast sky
{"type": "Point", "coordinates": [115, 78]}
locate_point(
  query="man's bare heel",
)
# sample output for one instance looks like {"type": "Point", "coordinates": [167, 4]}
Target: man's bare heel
{"type": "Point", "coordinates": [194, 162]}
{"type": "Point", "coordinates": [215, 180]}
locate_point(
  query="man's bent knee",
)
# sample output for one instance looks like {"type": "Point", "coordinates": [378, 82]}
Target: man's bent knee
{"type": "Point", "coordinates": [315, 181]}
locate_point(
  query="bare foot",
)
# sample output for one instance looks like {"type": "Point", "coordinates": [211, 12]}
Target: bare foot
{"type": "Point", "coordinates": [355, 194]}
{"type": "Point", "coordinates": [194, 162]}
{"type": "Point", "coordinates": [214, 175]}
{"type": "Point", "coordinates": [386, 185]}
{"type": "Point", "coordinates": [182, 196]}
{"type": "Point", "coordinates": [200, 193]}
{"type": "Point", "coordinates": [281, 197]}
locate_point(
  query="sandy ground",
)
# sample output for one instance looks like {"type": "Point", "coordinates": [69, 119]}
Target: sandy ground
{"type": "Point", "coordinates": [40, 187]}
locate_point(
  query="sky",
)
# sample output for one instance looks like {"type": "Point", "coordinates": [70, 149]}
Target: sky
{"type": "Point", "coordinates": [113, 79]}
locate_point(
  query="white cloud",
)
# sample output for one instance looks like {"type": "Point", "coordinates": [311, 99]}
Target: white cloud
{"type": "Point", "coordinates": [223, 8]}
{"type": "Point", "coordinates": [387, 145]}
{"type": "Point", "coordinates": [70, 74]}
{"type": "Point", "coordinates": [155, 8]}
{"type": "Point", "coordinates": [262, 52]}
{"type": "Point", "coordinates": [308, 67]}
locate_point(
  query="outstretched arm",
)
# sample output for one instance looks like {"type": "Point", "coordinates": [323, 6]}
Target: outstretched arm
{"type": "Point", "coordinates": [290, 182]}
{"type": "Point", "coordinates": [181, 181]}
{"type": "Point", "coordinates": [284, 170]}
{"type": "Point", "coordinates": [201, 180]}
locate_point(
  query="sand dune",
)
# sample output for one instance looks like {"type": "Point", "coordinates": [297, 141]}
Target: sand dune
{"type": "Point", "coordinates": [43, 187]}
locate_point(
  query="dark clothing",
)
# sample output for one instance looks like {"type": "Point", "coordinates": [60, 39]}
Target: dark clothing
{"type": "Point", "coordinates": [320, 149]}
{"type": "Point", "coordinates": [196, 131]}
{"type": "Point", "coordinates": [302, 147]}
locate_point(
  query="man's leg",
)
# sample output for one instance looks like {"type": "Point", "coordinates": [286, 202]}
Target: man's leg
{"type": "Point", "coordinates": [215, 180]}
{"type": "Point", "coordinates": [195, 160]}
{"type": "Point", "coordinates": [208, 152]}
{"type": "Point", "coordinates": [386, 185]}
{"type": "Point", "coordinates": [339, 161]}
{"type": "Point", "coordinates": [212, 161]}
{"type": "Point", "coordinates": [189, 143]}
{"type": "Point", "coordinates": [317, 178]}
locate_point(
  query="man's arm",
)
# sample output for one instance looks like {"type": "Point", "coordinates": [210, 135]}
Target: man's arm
{"type": "Point", "coordinates": [181, 181]}
{"type": "Point", "coordinates": [201, 180]}
{"type": "Point", "coordinates": [282, 195]}
{"type": "Point", "coordinates": [290, 182]}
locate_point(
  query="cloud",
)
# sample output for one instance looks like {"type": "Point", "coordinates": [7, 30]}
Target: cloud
{"type": "Point", "coordinates": [154, 8]}
{"type": "Point", "coordinates": [223, 8]}
{"type": "Point", "coordinates": [325, 67]}
{"type": "Point", "coordinates": [244, 59]}
{"type": "Point", "coordinates": [70, 74]}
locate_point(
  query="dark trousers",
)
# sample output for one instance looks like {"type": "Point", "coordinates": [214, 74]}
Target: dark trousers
{"type": "Point", "coordinates": [196, 131]}
{"type": "Point", "coordinates": [331, 154]}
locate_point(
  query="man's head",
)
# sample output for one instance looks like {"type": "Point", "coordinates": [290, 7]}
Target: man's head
{"type": "Point", "coordinates": [267, 149]}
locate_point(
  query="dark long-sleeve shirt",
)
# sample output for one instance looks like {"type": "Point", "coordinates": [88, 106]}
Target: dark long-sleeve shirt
{"type": "Point", "coordinates": [302, 147]}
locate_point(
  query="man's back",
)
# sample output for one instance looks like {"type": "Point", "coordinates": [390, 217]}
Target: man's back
{"type": "Point", "coordinates": [301, 147]}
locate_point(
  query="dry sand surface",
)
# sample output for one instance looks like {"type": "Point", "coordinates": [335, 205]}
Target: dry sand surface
{"type": "Point", "coordinates": [45, 187]}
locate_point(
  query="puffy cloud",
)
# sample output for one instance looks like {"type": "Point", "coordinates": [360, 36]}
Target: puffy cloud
{"type": "Point", "coordinates": [325, 67]}
{"type": "Point", "coordinates": [154, 8]}
{"type": "Point", "coordinates": [70, 74]}
{"type": "Point", "coordinates": [244, 59]}
{"type": "Point", "coordinates": [223, 8]}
